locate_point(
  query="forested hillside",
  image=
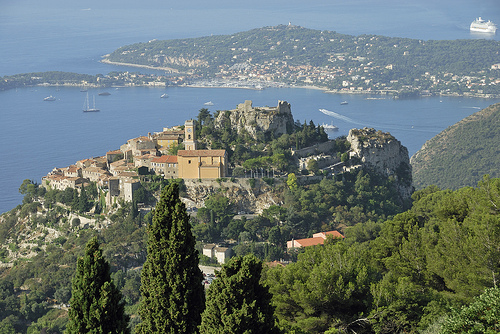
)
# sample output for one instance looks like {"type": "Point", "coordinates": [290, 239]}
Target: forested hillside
{"type": "Point", "coordinates": [297, 55]}
{"type": "Point", "coordinates": [460, 155]}
{"type": "Point", "coordinates": [404, 274]}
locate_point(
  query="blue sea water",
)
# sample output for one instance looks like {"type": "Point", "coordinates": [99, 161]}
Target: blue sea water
{"type": "Point", "coordinates": [72, 36]}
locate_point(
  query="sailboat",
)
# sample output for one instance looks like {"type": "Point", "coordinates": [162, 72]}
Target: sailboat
{"type": "Point", "coordinates": [86, 107]}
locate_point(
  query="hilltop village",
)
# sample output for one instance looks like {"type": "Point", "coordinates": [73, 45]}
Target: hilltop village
{"type": "Point", "coordinates": [119, 172]}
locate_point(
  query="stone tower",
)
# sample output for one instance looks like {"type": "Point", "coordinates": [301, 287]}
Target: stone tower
{"type": "Point", "coordinates": [189, 135]}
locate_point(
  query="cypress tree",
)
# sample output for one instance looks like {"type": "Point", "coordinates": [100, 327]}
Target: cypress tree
{"type": "Point", "coordinates": [172, 294]}
{"type": "Point", "coordinates": [96, 304]}
{"type": "Point", "coordinates": [237, 302]}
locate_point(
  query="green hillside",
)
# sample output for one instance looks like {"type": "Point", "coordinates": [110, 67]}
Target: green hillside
{"type": "Point", "coordinates": [297, 55]}
{"type": "Point", "coordinates": [460, 155]}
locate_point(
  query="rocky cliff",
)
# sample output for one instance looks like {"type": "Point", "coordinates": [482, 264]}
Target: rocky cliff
{"type": "Point", "coordinates": [277, 120]}
{"type": "Point", "coordinates": [384, 154]}
{"type": "Point", "coordinates": [245, 197]}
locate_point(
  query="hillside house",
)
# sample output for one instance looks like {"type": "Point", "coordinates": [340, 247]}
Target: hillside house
{"type": "Point", "coordinates": [165, 140]}
{"type": "Point", "coordinates": [138, 146]}
{"type": "Point", "coordinates": [112, 156]}
{"type": "Point", "coordinates": [121, 187]}
{"type": "Point", "coordinates": [95, 174]}
{"type": "Point", "coordinates": [165, 165]}
{"type": "Point", "coordinates": [317, 239]}
{"type": "Point", "coordinates": [61, 182]}
{"type": "Point", "coordinates": [222, 254]}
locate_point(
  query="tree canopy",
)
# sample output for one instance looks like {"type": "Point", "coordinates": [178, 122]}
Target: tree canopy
{"type": "Point", "coordinates": [237, 302]}
{"type": "Point", "coordinates": [96, 304]}
{"type": "Point", "coordinates": [172, 293]}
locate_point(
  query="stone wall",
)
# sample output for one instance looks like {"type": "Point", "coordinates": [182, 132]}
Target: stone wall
{"type": "Point", "coordinates": [325, 148]}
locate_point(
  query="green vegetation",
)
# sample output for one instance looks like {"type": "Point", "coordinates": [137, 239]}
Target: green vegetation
{"type": "Point", "coordinates": [482, 316]}
{"type": "Point", "coordinates": [237, 302]}
{"type": "Point", "coordinates": [172, 295]}
{"type": "Point", "coordinates": [406, 275]}
{"type": "Point", "coordinates": [52, 78]}
{"type": "Point", "coordinates": [460, 155]}
{"type": "Point", "coordinates": [395, 271]}
{"type": "Point", "coordinates": [265, 151]}
{"type": "Point", "coordinates": [404, 266]}
{"type": "Point", "coordinates": [96, 305]}
{"type": "Point", "coordinates": [293, 53]}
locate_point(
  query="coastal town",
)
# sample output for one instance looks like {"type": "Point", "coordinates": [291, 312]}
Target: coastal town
{"type": "Point", "coordinates": [357, 80]}
{"type": "Point", "coordinates": [305, 58]}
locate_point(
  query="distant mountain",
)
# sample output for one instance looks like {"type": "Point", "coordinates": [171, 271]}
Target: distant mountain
{"type": "Point", "coordinates": [460, 155]}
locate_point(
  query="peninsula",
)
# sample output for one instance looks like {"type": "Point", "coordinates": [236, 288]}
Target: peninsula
{"type": "Point", "coordinates": [296, 56]}
{"type": "Point", "coordinates": [292, 56]}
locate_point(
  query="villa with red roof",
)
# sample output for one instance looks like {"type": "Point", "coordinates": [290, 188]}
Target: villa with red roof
{"type": "Point", "coordinates": [317, 239]}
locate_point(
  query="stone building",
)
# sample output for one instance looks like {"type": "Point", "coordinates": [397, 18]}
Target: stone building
{"type": "Point", "coordinates": [165, 165]}
{"type": "Point", "coordinates": [202, 164]}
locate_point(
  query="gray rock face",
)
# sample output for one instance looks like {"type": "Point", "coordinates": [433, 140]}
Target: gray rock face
{"type": "Point", "coordinates": [384, 154]}
{"type": "Point", "coordinates": [245, 198]}
{"type": "Point", "coordinates": [274, 120]}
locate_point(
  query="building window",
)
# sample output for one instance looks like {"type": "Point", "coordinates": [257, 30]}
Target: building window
{"type": "Point", "coordinates": [189, 161]}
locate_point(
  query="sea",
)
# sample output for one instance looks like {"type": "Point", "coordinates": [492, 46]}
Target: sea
{"type": "Point", "coordinates": [58, 35]}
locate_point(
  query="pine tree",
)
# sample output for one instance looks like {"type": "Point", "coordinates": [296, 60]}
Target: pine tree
{"type": "Point", "coordinates": [172, 294]}
{"type": "Point", "coordinates": [96, 304]}
{"type": "Point", "coordinates": [237, 302]}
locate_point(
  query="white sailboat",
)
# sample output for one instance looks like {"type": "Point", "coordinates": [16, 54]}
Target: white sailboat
{"type": "Point", "coordinates": [86, 106]}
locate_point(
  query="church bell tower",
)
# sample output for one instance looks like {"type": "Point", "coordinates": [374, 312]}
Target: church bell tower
{"type": "Point", "coordinates": [189, 135]}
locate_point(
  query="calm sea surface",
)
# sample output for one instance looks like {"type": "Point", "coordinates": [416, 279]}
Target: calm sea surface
{"type": "Point", "coordinates": [37, 136]}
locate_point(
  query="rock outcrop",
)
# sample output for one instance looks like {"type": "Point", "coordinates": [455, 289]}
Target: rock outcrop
{"type": "Point", "coordinates": [384, 154]}
{"type": "Point", "coordinates": [276, 120]}
{"type": "Point", "coordinates": [245, 197]}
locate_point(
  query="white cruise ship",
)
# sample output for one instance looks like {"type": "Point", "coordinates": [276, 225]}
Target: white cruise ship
{"type": "Point", "coordinates": [480, 25]}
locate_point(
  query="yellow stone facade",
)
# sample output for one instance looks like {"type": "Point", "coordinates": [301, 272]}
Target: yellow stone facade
{"type": "Point", "coordinates": [202, 164]}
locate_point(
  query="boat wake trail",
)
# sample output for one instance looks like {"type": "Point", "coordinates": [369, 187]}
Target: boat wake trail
{"type": "Point", "coordinates": [339, 116]}
{"type": "Point", "coordinates": [384, 126]}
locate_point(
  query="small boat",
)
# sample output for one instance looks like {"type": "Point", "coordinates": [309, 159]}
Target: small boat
{"type": "Point", "coordinates": [329, 127]}
{"type": "Point", "coordinates": [164, 96]}
{"type": "Point", "coordinates": [86, 106]}
{"type": "Point", "coordinates": [49, 98]}
{"type": "Point", "coordinates": [104, 94]}
{"type": "Point", "coordinates": [209, 103]}
{"type": "Point", "coordinates": [343, 103]}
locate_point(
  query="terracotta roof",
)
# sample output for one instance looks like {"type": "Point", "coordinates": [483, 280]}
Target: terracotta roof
{"type": "Point", "coordinates": [310, 241]}
{"type": "Point", "coordinates": [201, 153]}
{"type": "Point", "coordinates": [141, 138]}
{"type": "Point", "coordinates": [114, 152]}
{"type": "Point", "coordinates": [172, 159]}
{"type": "Point", "coordinates": [335, 234]}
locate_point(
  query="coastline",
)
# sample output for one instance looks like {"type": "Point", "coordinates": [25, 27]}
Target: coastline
{"type": "Point", "coordinates": [166, 69]}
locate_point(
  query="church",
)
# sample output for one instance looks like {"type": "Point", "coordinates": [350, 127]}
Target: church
{"type": "Point", "coordinates": [199, 164]}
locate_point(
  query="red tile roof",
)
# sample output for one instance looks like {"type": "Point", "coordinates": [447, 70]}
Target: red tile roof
{"type": "Point", "coordinates": [310, 242]}
{"type": "Point", "coordinates": [335, 234]}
